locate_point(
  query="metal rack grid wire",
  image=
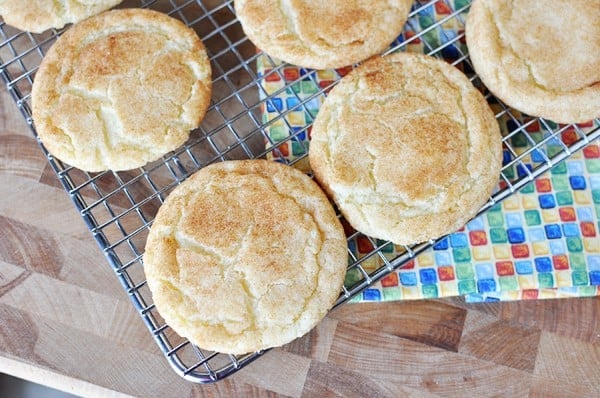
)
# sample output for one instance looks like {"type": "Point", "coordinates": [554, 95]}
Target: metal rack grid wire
{"type": "Point", "coordinates": [118, 208]}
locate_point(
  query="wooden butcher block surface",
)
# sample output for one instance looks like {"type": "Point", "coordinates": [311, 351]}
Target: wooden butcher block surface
{"type": "Point", "coordinates": [66, 322]}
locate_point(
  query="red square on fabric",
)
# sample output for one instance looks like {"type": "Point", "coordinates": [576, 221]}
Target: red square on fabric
{"type": "Point", "coordinates": [530, 294]}
{"type": "Point", "coordinates": [505, 268]}
{"type": "Point", "coordinates": [567, 214]}
{"type": "Point", "coordinates": [560, 262]}
{"type": "Point", "coordinates": [520, 251]}
{"type": "Point", "coordinates": [588, 229]}
{"type": "Point", "coordinates": [390, 281]}
{"type": "Point", "coordinates": [543, 185]}
{"type": "Point", "coordinates": [446, 273]}
{"type": "Point", "coordinates": [478, 238]}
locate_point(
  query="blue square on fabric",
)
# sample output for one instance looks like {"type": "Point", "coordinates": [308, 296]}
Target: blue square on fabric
{"type": "Point", "coordinates": [476, 224]}
{"type": "Point", "coordinates": [516, 235]}
{"type": "Point", "coordinates": [547, 201]}
{"type": "Point", "coordinates": [536, 234]}
{"type": "Point", "coordinates": [557, 247]}
{"type": "Point", "coordinates": [595, 182]}
{"type": "Point", "coordinates": [575, 167]}
{"type": "Point", "coordinates": [484, 271]}
{"type": "Point", "coordinates": [486, 285]}
{"type": "Point", "coordinates": [459, 239]}
{"type": "Point", "coordinates": [524, 267]}
{"type": "Point", "coordinates": [489, 299]}
{"type": "Point", "coordinates": [443, 258]}
{"type": "Point", "coordinates": [571, 230]}
{"type": "Point", "coordinates": [441, 245]}
{"type": "Point", "coordinates": [299, 133]}
{"type": "Point", "coordinates": [595, 278]}
{"type": "Point", "coordinates": [291, 102]}
{"type": "Point", "coordinates": [408, 278]}
{"type": "Point", "coordinates": [428, 276]}
{"type": "Point", "coordinates": [543, 264]}
{"type": "Point", "coordinates": [538, 156]}
{"type": "Point", "coordinates": [577, 182]}
{"type": "Point", "coordinates": [506, 157]}
{"type": "Point", "coordinates": [371, 295]}
{"type": "Point", "coordinates": [585, 214]}
{"type": "Point", "coordinates": [552, 231]}
{"type": "Point", "coordinates": [524, 171]}
{"type": "Point", "coordinates": [514, 220]}
{"type": "Point", "coordinates": [593, 263]}
{"type": "Point", "coordinates": [274, 105]}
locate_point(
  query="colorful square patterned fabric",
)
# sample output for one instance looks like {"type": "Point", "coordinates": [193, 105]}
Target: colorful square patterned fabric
{"type": "Point", "coordinates": [542, 242]}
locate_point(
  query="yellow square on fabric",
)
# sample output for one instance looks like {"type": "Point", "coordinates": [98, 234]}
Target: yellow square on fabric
{"type": "Point", "coordinates": [582, 197]}
{"type": "Point", "coordinates": [563, 278]}
{"type": "Point", "coordinates": [448, 289]}
{"type": "Point", "coordinates": [481, 253]}
{"type": "Point", "coordinates": [511, 203]}
{"type": "Point", "coordinates": [550, 215]}
{"type": "Point", "coordinates": [527, 282]}
{"type": "Point", "coordinates": [591, 245]}
{"type": "Point", "coordinates": [547, 294]}
{"type": "Point", "coordinates": [540, 248]}
{"type": "Point", "coordinates": [425, 259]}
{"type": "Point", "coordinates": [411, 292]}
{"type": "Point", "coordinates": [529, 202]}
{"type": "Point", "coordinates": [502, 252]}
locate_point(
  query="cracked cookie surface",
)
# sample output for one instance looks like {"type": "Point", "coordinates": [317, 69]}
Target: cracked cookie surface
{"type": "Point", "coordinates": [322, 34]}
{"type": "Point", "coordinates": [121, 89]}
{"type": "Point", "coordinates": [407, 147]}
{"type": "Point", "coordinates": [541, 57]}
{"type": "Point", "coordinates": [39, 15]}
{"type": "Point", "coordinates": [245, 255]}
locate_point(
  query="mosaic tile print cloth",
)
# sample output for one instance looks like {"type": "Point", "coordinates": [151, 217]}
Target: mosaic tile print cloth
{"type": "Point", "coordinates": [542, 242]}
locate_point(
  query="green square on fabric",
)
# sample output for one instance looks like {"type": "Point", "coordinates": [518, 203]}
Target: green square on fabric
{"type": "Point", "coordinates": [519, 140]}
{"type": "Point", "coordinates": [464, 271]}
{"type": "Point", "coordinates": [592, 165]}
{"type": "Point", "coordinates": [532, 217]}
{"type": "Point", "coordinates": [296, 88]}
{"type": "Point", "coordinates": [278, 133]}
{"type": "Point", "coordinates": [498, 235]}
{"type": "Point", "coordinates": [298, 149]}
{"type": "Point", "coordinates": [596, 196]}
{"type": "Point", "coordinates": [546, 280]}
{"type": "Point", "coordinates": [508, 283]}
{"type": "Point", "coordinates": [564, 198]}
{"type": "Point", "coordinates": [529, 188]}
{"type": "Point", "coordinates": [554, 150]}
{"type": "Point", "coordinates": [461, 254]}
{"type": "Point", "coordinates": [353, 276]}
{"type": "Point", "coordinates": [392, 293]}
{"type": "Point", "coordinates": [495, 219]}
{"type": "Point", "coordinates": [574, 245]}
{"type": "Point", "coordinates": [509, 173]}
{"type": "Point", "coordinates": [560, 182]}
{"type": "Point", "coordinates": [560, 168]}
{"type": "Point", "coordinates": [467, 286]}
{"type": "Point", "coordinates": [580, 278]}
{"type": "Point", "coordinates": [587, 291]}
{"type": "Point", "coordinates": [577, 261]}
{"type": "Point", "coordinates": [429, 291]}
{"type": "Point", "coordinates": [309, 87]}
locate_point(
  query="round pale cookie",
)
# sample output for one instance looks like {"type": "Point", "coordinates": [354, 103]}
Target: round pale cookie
{"type": "Point", "coordinates": [39, 15]}
{"type": "Point", "coordinates": [244, 256]}
{"type": "Point", "coordinates": [121, 89]}
{"type": "Point", "coordinates": [322, 34]}
{"type": "Point", "coordinates": [541, 57]}
{"type": "Point", "coordinates": [407, 147]}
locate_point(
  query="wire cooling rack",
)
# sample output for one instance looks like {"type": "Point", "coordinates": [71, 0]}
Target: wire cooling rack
{"type": "Point", "coordinates": [118, 208]}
